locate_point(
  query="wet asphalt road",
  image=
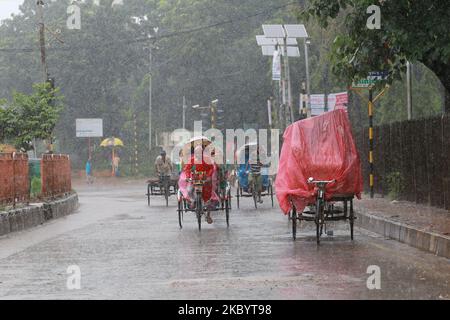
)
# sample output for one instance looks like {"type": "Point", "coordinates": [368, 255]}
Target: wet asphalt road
{"type": "Point", "coordinates": [126, 250]}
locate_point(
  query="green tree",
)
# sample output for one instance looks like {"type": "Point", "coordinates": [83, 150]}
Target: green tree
{"type": "Point", "coordinates": [408, 32]}
{"type": "Point", "coordinates": [30, 117]}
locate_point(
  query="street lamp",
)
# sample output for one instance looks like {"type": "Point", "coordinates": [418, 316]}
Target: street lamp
{"type": "Point", "coordinates": [212, 108]}
{"type": "Point", "coordinates": [285, 38]}
{"type": "Point", "coordinates": [150, 89]}
{"type": "Point", "coordinates": [308, 81]}
{"type": "Point", "coordinates": [184, 112]}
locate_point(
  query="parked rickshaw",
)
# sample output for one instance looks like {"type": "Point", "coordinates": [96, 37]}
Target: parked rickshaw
{"type": "Point", "coordinates": [245, 188]}
{"type": "Point", "coordinates": [164, 185]}
{"type": "Point", "coordinates": [319, 172]}
{"type": "Point", "coordinates": [200, 190]}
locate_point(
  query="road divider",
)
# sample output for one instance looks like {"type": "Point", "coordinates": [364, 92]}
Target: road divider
{"type": "Point", "coordinates": [19, 219]}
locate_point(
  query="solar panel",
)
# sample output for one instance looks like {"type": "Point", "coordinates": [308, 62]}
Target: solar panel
{"type": "Point", "coordinates": [269, 50]}
{"type": "Point", "coordinates": [295, 31]}
{"type": "Point", "coordinates": [273, 31]}
{"type": "Point", "coordinates": [263, 41]}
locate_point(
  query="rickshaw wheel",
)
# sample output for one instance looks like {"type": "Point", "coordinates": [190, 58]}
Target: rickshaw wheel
{"type": "Point", "coordinates": [180, 213]}
{"type": "Point", "coordinates": [199, 211]}
{"type": "Point", "coordinates": [255, 195]}
{"type": "Point", "coordinates": [237, 194]}
{"type": "Point", "coordinates": [352, 219]}
{"type": "Point", "coordinates": [319, 219]}
{"type": "Point", "coordinates": [227, 211]}
{"type": "Point", "coordinates": [166, 194]}
{"type": "Point", "coordinates": [271, 192]}
{"type": "Point", "coordinates": [294, 223]}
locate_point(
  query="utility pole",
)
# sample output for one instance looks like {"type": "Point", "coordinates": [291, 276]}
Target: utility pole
{"type": "Point", "coordinates": [282, 96]}
{"type": "Point", "coordinates": [269, 111]}
{"type": "Point", "coordinates": [408, 90]}
{"type": "Point", "coordinates": [213, 113]}
{"type": "Point", "coordinates": [288, 79]}
{"type": "Point", "coordinates": [303, 97]}
{"type": "Point", "coordinates": [40, 14]}
{"type": "Point", "coordinates": [308, 83]}
{"type": "Point", "coordinates": [150, 102]}
{"type": "Point", "coordinates": [371, 145]}
{"type": "Point", "coordinates": [184, 112]}
{"type": "Point", "coordinates": [136, 162]}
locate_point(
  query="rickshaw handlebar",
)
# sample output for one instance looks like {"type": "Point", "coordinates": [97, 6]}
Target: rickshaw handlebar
{"type": "Point", "coordinates": [323, 182]}
{"type": "Point", "coordinates": [197, 181]}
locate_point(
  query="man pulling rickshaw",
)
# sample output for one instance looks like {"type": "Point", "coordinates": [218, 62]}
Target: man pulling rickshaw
{"type": "Point", "coordinates": [198, 168]}
{"type": "Point", "coordinates": [201, 180]}
{"type": "Point", "coordinates": [163, 184]}
{"type": "Point", "coordinates": [253, 177]}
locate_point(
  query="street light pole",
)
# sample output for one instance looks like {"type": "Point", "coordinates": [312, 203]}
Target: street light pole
{"type": "Point", "coordinates": [184, 112]}
{"type": "Point", "coordinates": [40, 5]}
{"type": "Point", "coordinates": [408, 90]}
{"type": "Point", "coordinates": [308, 84]}
{"type": "Point", "coordinates": [150, 102]}
{"type": "Point", "coordinates": [288, 81]}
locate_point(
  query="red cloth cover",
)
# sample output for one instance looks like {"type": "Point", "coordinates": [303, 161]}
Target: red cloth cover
{"type": "Point", "coordinates": [323, 148]}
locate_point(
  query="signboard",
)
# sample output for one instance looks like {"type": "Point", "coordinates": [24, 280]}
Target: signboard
{"type": "Point", "coordinates": [89, 128]}
{"type": "Point", "coordinates": [378, 75]}
{"type": "Point", "coordinates": [371, 79]}
{"type": "Point", "coordinates": [337, 101]}
{"type": "Point", "coordinates": [317, 104]}
{"type": "Point", "coordinates": [364, 83]}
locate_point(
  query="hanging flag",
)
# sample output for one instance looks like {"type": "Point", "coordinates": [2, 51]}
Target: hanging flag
{"type": "Point", "coordinates": [276, 66]}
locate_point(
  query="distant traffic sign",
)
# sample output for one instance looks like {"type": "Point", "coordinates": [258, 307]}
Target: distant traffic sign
{"type": "Point", "coordinates": [371, 79]}
{"type": "Point", "coordinates": [378, 75]}
{"type": "Point", "coordinates": [364, 83]}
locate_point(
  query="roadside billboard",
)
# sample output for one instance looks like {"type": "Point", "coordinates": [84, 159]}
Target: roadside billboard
{"type": "Point", "coordinates": [89, 128]}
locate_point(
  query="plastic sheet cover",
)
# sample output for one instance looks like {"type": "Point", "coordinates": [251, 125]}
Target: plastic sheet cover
{"type": "Point", "coordinates": [322, 148]}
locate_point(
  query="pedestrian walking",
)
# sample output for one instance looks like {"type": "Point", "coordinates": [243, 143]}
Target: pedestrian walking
{"type": "Point", "coordinates": [89, 178]}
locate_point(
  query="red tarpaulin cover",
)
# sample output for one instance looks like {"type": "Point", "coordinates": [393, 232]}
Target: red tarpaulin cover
{"type": "Point", "coordinates": [323, 148]}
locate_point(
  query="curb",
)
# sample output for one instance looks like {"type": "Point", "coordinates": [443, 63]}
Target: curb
{"type": "Point", "coordinates": [36, 214]}
{"type": "Point", "coordinates": [425, 240]}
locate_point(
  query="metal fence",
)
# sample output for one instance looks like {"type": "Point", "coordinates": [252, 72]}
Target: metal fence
{"type": "Point", "coordinates": [55, 174]}
{"type": "Point", "coordinates": [14, 182]}
{"type": "Point", "coordinates": [413, 154]}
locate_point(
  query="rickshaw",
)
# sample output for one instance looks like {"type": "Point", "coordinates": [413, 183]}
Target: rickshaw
{"type": "Point", "coordinates": [220, 200]}
{"type": "Point", "coordinates": [224, 184]}
{"type": "Point", "coordinates": [319, 173]}
{"type": "Point", "coordinates": [244, 187]}
{"type": "Point", "coordinates": [324, 210]}
{"type": "Point", "coordinates": [164, 185]}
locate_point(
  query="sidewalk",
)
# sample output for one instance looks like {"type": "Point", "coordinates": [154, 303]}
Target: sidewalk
{"type": "Point", "coordinates": [420, 226]}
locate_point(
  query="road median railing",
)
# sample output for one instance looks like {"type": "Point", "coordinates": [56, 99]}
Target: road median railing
{"type": "Point", "coordinates": [15, 188]}
{"type": "Point", "coordinates": [14, 183]}
{"type": "Point", "coordinates": [56, 175]}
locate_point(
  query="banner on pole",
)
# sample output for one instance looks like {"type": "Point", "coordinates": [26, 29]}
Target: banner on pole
{"type": "Point", "coordinates": [276, 66]}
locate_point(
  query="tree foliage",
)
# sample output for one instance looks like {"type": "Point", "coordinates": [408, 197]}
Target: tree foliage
{"type": "Point", "coordinates": [202, 49]}
{"type": "Point", "coordinates": [29, 117]}
{"type": "Point", "coordinates": [417, 31]}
